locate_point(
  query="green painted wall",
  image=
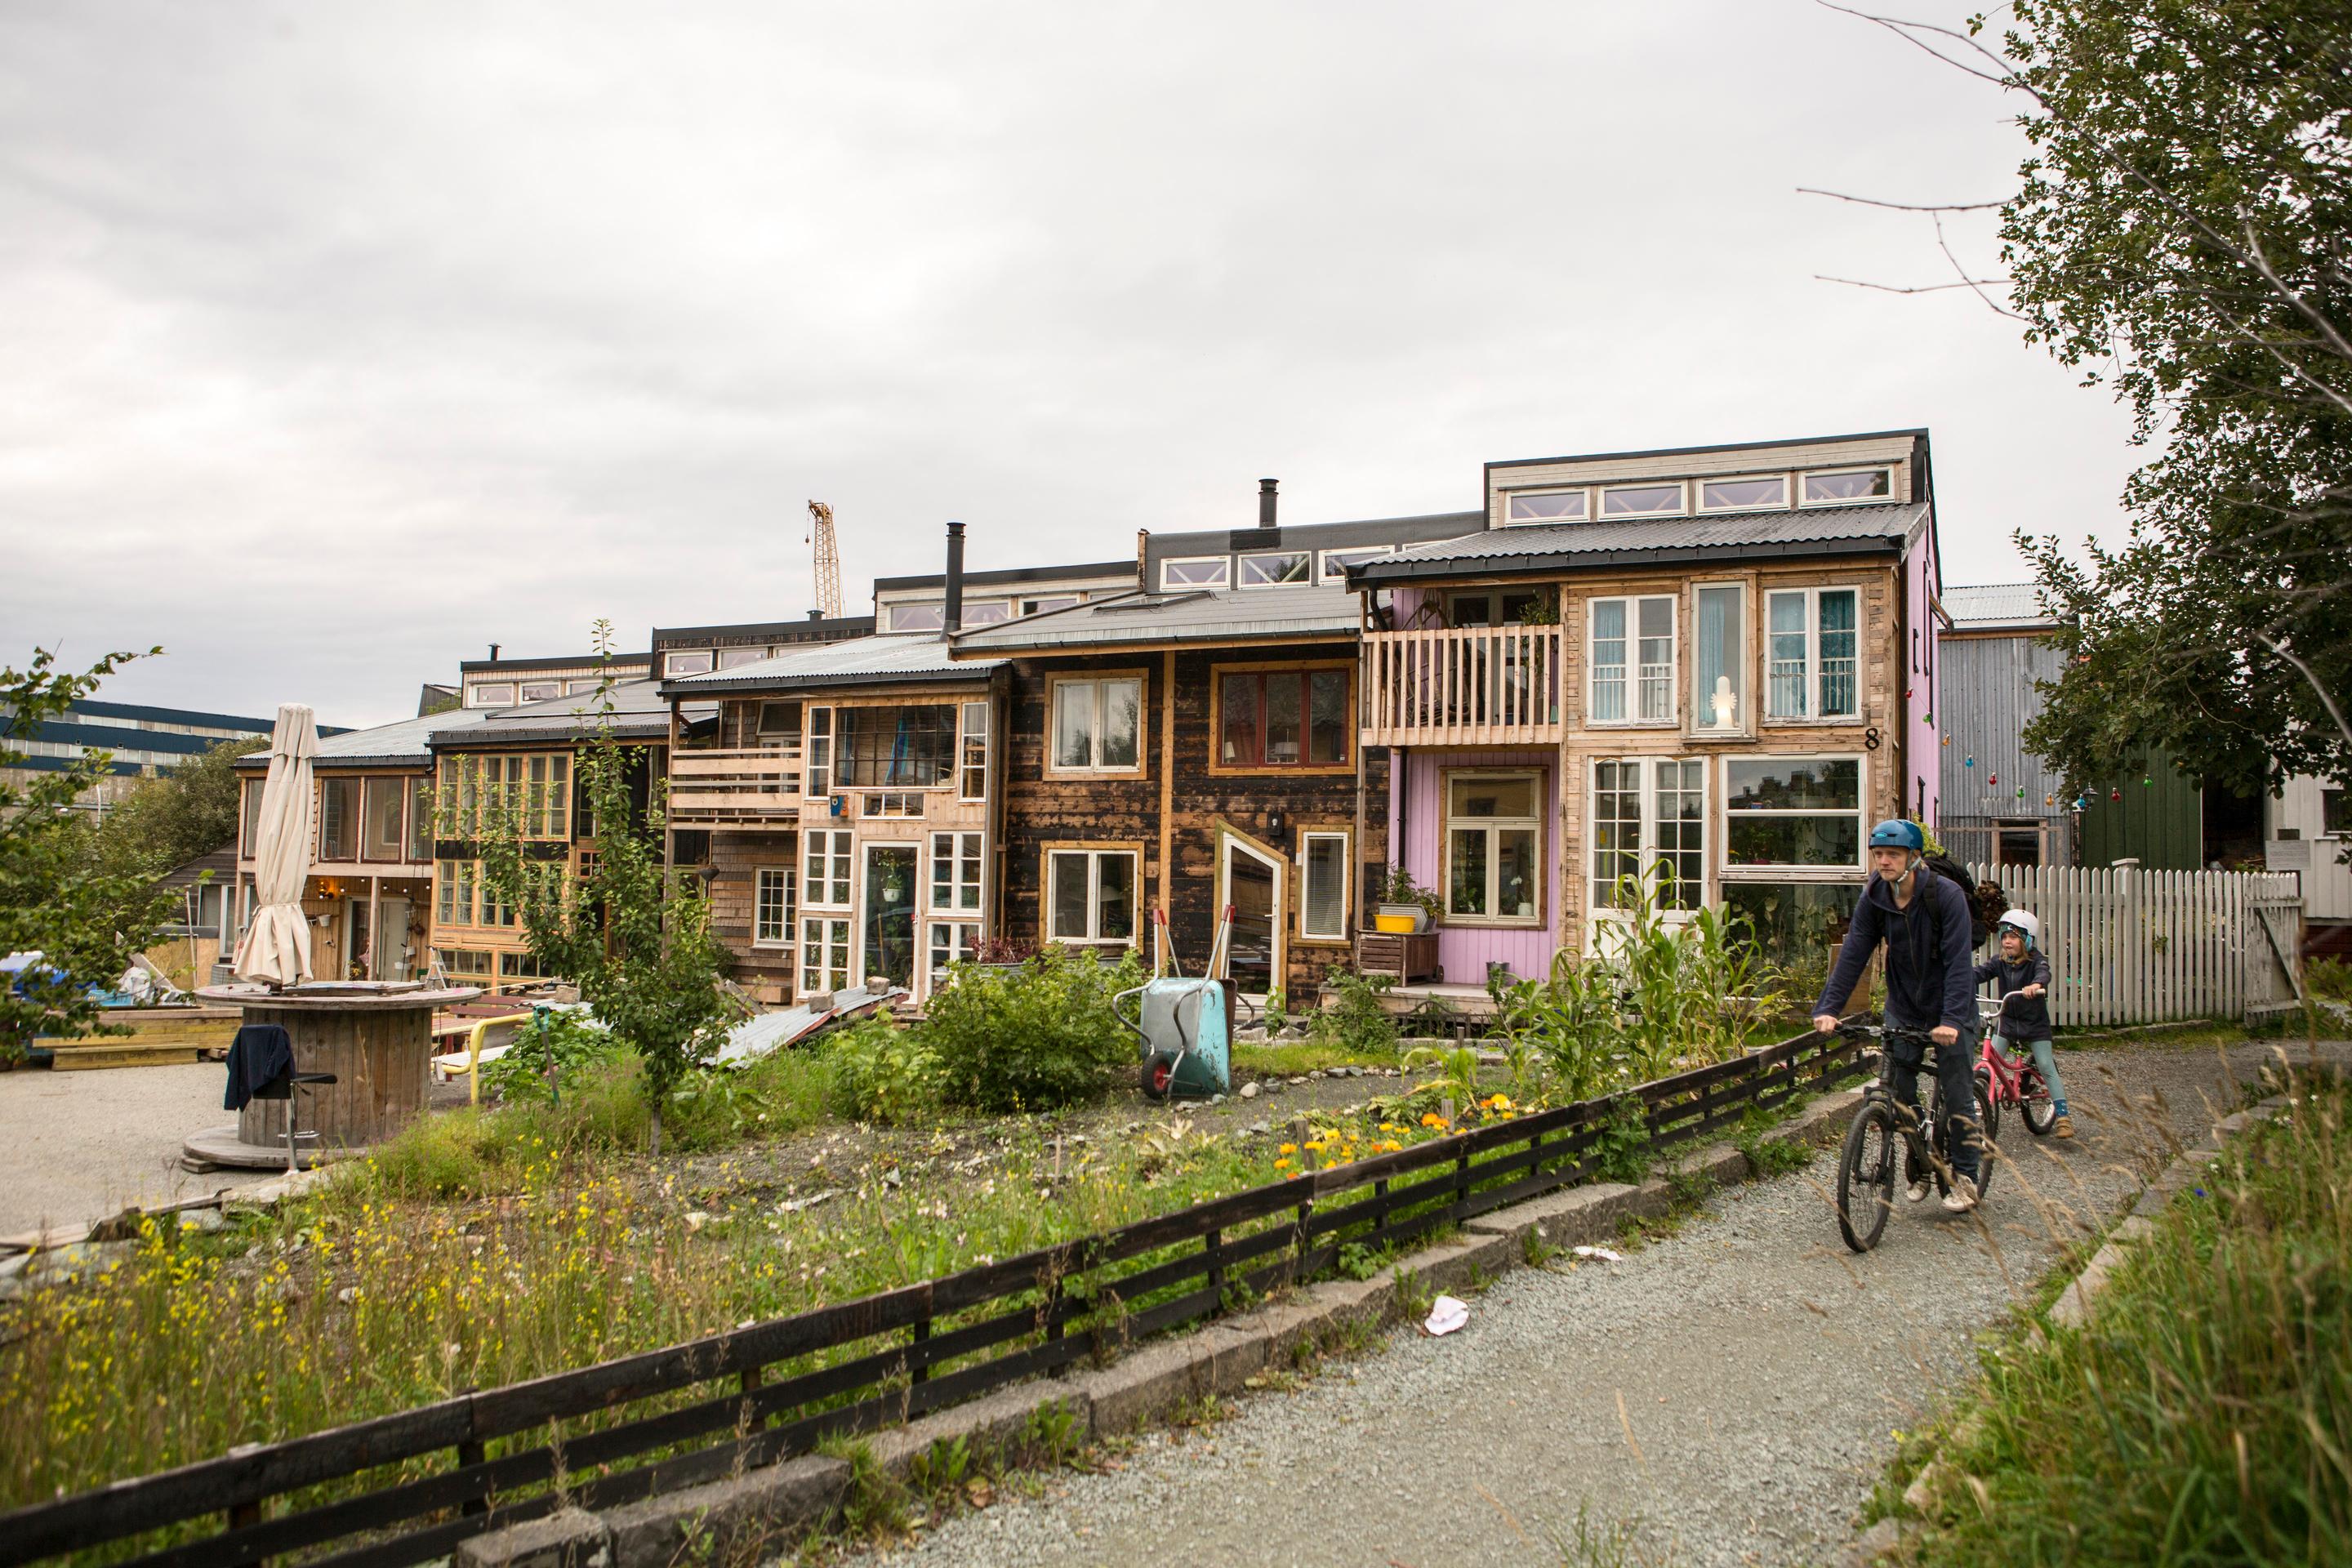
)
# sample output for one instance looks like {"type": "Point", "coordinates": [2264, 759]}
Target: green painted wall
{"type": "Point", "coordinates": [2160, 821]}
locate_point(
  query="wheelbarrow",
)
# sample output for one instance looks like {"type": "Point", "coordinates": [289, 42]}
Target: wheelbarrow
{"type": "Point", "coordinates": [1185, 1026]}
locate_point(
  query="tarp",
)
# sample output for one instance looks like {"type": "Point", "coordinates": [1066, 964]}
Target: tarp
{"type": "Point", "coordinates": [276, 948]}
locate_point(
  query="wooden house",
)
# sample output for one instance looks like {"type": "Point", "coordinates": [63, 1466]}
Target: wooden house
{"type": "Point", "coordinates": [496, 683]}
{"type": "Point", "coordinates": [1710, 667]}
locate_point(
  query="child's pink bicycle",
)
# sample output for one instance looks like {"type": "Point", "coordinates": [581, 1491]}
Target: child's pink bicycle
{"type": "Point", "coordinates": [2005, 1079]}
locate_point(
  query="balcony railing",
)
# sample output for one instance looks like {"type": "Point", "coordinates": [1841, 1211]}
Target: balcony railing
{"type": "Point", "coordinates": [744, 785]}
{"type": "Point", "coordinates": [1467, 686]}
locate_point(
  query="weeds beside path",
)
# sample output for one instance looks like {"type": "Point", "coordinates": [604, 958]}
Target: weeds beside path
{"type": "Point", "coordinates": [1731, 1391]}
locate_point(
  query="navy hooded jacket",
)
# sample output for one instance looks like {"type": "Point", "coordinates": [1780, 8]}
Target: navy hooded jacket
{"type": "Point", "coordinates": [1929, 981]}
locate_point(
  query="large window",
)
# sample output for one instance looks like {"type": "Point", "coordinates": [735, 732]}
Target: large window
{"type": "Point", "coordinates": [1323, 886]}
{"type": "Point", "coordinates": [910, 747]}
{"type": "Point", "coordinates": [918, 617]}
{"type": "Point", "coordinates": [1632, 661]}
{"type": "Point", "coordinates": [1494, 848]}
{"type": "Point", "coordinates": [1284, 719]}
{"type": "Point", "coordinates": [383, 809]}
{"type": "Point", "coordinates": [771, 907]}
{"type": "Point", "coordinates": [1091, 895]}
{"type": "Point", "coordinates": [1649, 822]}
{"type": "Point", "coordinates": [824, 866]}
{"type": "Point", "coordinates": [1642, 501]}
{"type": "Point", "coordinates": [420, 821]}
{"type": "Point", "coordinates": [531, 794]}
{"type": "Point", "coordinates": [1273, 568]}
{"type": "Point", "coordinates": [971, 779]}
{"type": "Point", "coordinates": [1837, 487]}
{"type": "Point", "coordinates": [1812, 658]}
{"type": "Point", "coordinates": [1793, 812]}
{"type": "Point", "coordinates": [824, 954]}
{"type": "Point", "coordinates": [453, 887]}
{"type": "Point", "coordinates": [1546, 506]}
{"type": "Point", "coordinates": [1719, 662]}
{"type": "Point", "coordinates": [1196, 572]}
{"type": "Point", "coordinates": [1743, 495]}
{"type": "Point", "coordinates": [955, 872]}
{"type": "Point", "coordinates": [1097, 725]}
{"type": "Point", "coordinates": [339, 826]}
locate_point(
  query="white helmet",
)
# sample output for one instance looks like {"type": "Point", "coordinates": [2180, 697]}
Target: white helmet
{"type": "Point", "coordinates": [2023, 923]}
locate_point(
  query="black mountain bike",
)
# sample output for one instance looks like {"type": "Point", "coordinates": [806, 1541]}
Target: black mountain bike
{"type": "Point", "coordinates": [1882, 1124]}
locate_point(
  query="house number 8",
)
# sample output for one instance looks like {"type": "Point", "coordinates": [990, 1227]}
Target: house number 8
{"type": "Point", "coordinates": [1870, 739]}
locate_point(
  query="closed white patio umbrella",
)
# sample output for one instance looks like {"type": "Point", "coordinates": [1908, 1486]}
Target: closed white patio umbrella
{"type": "Point", "coordinates": [276, 948]}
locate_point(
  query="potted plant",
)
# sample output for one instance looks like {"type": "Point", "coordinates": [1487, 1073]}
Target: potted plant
{"type": "Point", "coordinates": [1401, 904]}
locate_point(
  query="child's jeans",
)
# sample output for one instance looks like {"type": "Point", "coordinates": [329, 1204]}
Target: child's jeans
{"type": "Point", "coordinates": [2046, 1063]}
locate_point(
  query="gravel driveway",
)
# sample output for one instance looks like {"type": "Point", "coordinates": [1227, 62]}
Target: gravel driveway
{"type": "Point", "coordinates": [1726, 1393]}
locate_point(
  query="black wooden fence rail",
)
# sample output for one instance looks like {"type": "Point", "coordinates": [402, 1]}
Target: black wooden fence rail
{"type": "Point", "coordinates": [707, 1407]}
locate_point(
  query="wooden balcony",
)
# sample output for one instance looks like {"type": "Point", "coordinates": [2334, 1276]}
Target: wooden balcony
{"type": "Point", "coordinates": [747, 786]}
{"type": "Point", "coordinates": [1470, 686]}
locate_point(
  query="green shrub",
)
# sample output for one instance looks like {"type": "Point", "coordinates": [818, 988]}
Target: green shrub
{"type": "Point", "coordinates": [1355, 1021]}
{"type": "Point", "coordinates": [1035, 1039]}
{"type": "Point", "coordinates": [544, 1055]}
{"type": "Point", "coordinates": [2330, 977]}
{"type": "Point", "coordinates": [881, 1073]}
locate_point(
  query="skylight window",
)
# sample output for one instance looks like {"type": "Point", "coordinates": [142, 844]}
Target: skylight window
{"type": "Point", "coordinates": [1547, 506]}
{"type": "Point", "coordinates": [1836, 486]}
{"type": "Point", "coordinates": [1642, 501]}
{"type": "Point", "coordinates": [1743, 495]}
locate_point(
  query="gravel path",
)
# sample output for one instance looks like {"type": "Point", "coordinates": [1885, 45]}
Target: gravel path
{"type": "Point", "coordinates": [1726, 1393]}
{"type": "Point", "coordinates": [79, 1146]}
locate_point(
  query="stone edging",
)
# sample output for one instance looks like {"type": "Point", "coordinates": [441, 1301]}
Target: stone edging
{"type": "Point", "coordinates": [759, 1509]}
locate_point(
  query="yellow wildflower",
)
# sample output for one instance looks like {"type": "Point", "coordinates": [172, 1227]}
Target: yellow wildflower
{"type": "Point", "coordinates": [1282, 1164]}
{"type": "Point", "coordinates": [1290, 1149]}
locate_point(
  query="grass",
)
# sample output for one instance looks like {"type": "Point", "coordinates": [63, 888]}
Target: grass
{"type": "Point", "coordinates": [2204, 1414]}
{"type": "Point", "coordinates": [1288, 1060]}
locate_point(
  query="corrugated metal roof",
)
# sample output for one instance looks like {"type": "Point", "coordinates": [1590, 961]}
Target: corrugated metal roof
{"type": "Point", "coordinates": [888, 656]}
{"type": "Point", "coordinates": [1780, 530]}
{"type": "Point", "coordinates": [403, 741]}
{"type": "Point", "coordinates": [1977, 606]}
{"type": "Point", "coordinates": [638, 710]}
{"type": "Point", "coordinates": [1227, 615]}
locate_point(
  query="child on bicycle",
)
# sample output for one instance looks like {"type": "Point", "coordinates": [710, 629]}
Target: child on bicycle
{"type": "Point", "coordinates": [2021, 976]}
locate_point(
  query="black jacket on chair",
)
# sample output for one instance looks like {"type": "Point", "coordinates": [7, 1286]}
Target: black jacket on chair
{"type": "Point", "coordinates": [259, 1056]}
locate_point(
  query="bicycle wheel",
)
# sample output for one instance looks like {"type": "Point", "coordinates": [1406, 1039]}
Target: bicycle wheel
{"type": "Point", "coordinates": [1866, 1178]}
{"type": "Point", "coordinates": [1988, 1121]}
{"type": "Point", "coordinates": [2039, 1111]}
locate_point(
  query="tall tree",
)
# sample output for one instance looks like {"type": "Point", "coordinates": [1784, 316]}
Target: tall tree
{"type": "Point", "coordinates": [2179, 234]}
{"type": "Point", "coordinates": [633, 936]}
{"type": "Point", "coordinates": [87, 923]}
{"type": "Point", "coordinates": [171, 819]}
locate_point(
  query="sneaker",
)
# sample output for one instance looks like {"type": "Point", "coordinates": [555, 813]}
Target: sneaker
{"type": "Point", "coordinates": [1917, 1192]}
{"type": "Point", "coordinates": [2064, 1126]}
{"type": "Point", "coordinates": [1962, 1197]}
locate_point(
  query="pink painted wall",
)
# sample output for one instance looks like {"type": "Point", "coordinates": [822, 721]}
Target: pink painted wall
{"type": "Point", "coordinates": [1922, 579]}
{"type": "Point", "coordinates": [1466, 951]}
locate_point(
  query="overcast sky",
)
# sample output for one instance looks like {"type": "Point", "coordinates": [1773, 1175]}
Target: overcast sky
{"type": "Point", "coordinates": [338, 340]}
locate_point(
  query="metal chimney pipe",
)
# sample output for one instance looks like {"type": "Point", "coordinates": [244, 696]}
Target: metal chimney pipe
{"type": "Point", "coordinates": [953, 619]}
{"type": "Point", "coordinates": [1266, 503]}
{"type": "Point", "coordinates": [494, 653]}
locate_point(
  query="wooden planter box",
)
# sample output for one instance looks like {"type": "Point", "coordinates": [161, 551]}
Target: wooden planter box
{"type": "Point", "coordinates": [1408, 958]}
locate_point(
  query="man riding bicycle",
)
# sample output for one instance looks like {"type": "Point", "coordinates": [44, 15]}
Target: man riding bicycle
{"type": "Point", "coordinates": [1924, 921]}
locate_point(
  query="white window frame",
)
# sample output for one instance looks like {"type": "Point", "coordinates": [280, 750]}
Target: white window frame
{"type": "Point", "coordinates": [824, 954]}
{"type": "Point", "coordinates": [1306, 879]}
{"type": "Point", "coordinates": [1511, 500]}
{"type": "Point", "coordinates": [1812, 678]}
{"type": "Point", "coordinates": [964, 939]}
{"type": "Point", "coordinates": [1743, 711]}
{"type": "Point", "coordinates": [1780, 505]}
{"type": "Point", "coordinates": [737, 657]}
{"type": "Point", "coordinates": [1224, 565]}
{"type": "Point", "coordinates": [1096, 687]}
{"type": "Point", "coordinates": [966, 897]}
{"type": "Point", "coordinates": [1095, 858]}
{"type": "Point", "coordinates": [1352, 555]}
{"type": "Point", "coordinates": [817, 752]}
{"type": "Point", "coordinates": [1493, 825]}
{"type": "Point", "coordinates": [985, 612]}
{"type": "Point", "coordinates": [677, 663]}
{"type": "Point", "coordinates": [763, 879]}
{"type": "Point", "coordinates": [485, 694]}
{"type": "Point", "coordinates": [971, 752]}
{"type": "Point", "coordinates": [548, 691]}
{"type": "Point", "coordinates": [1805, 479]}
{"type": "Point", "coordinates": [1649, 850]}
{"type": "Point", "coordinates": [828, 859]}
{"type": "Point", "coordinates": [1632, 668]}
{"type": "Point", "coordinates": [1680, 488]}
{"type": "Point", "coordinates": [1241, 569]}
{"type": "Point", "coordinates": [1778, 871]}
{"type": "Point", "coordinates": [933, 613]}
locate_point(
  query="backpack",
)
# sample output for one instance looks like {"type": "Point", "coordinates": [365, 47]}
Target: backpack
{"type": "Point", "coordinates": [1987, 904]}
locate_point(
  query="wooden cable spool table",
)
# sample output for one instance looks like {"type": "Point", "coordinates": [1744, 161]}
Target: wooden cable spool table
{"type": "Point", "coordinates": [375, 1037]}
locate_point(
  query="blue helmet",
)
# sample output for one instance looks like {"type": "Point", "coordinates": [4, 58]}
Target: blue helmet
{"type": "Point", "coordinates": [1895, 833]}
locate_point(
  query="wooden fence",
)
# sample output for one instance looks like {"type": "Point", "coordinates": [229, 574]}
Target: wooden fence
{"type": "Point", "coordinates": [408, 1488]}
{"type": "Point", "coordinates": [2131, 946]}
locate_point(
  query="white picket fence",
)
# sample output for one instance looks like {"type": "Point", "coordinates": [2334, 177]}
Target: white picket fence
{"type": "Point", "coordinates": [2131, 946]}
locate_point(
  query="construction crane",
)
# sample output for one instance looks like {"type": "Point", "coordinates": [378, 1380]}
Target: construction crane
{"type": "Point", "coordinates": [829, 561]}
